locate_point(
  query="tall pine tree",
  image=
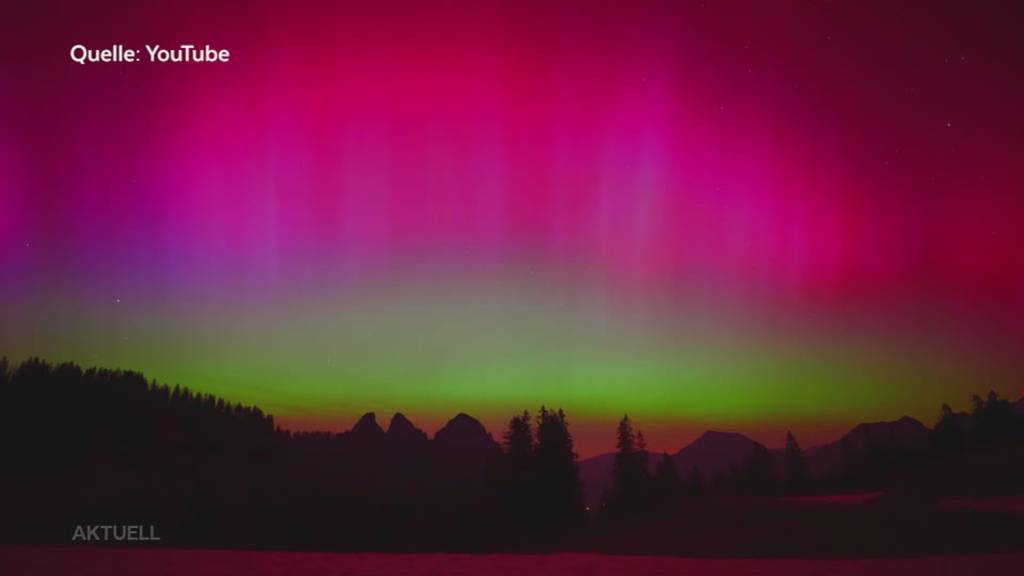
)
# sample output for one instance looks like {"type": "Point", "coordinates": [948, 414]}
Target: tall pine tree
{"type": "Point", "coordinates": [630, 476]}
{"type": "Point", "coordinates": [559, 492]}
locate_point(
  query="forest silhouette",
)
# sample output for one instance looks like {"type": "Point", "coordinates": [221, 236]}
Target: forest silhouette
{"type": "Point", "coordinates": [101, 446]}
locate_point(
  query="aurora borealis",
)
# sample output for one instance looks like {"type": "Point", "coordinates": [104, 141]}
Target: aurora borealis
{"type": "Point", "coordinates": [748, 216]}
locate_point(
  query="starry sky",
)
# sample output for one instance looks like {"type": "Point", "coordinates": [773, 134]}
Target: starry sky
{"type": "Point", "coordinates": [746, 216]}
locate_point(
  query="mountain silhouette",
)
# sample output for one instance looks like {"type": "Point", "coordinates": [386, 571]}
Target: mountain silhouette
{"type": "Point", "coordinates": [464, 431]}
{"type": "Point", "coordinates": [905, 434]}
{"type": "Point", "coordinates": [366, 429]}
{"type": "Point", "coordinates": [722, 453]}
{"type": "Point", "coordinates": [715, 453]}
{"type": "Point", "coordinates": [402, 431]}
{"type": "Point", "coordinates": [460, 453]}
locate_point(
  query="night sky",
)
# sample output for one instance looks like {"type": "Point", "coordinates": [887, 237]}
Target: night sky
{"type": "Point", "coordinates": [747, 216]}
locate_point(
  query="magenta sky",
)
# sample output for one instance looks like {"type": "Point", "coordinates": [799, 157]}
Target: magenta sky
{"type": "Point", "coordinates": [797, 172]}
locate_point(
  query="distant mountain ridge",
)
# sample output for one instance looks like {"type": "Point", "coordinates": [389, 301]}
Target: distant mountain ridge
{"type": "Point", "coordinates": [716, 453]}
{"type": "Point", "coordinates": [461, 432]}
{"type": "Point", "coordinates": [904, 434]}
{"type": "Point", "coordinates": [401, 430]}
{"type": "Point", "coordinates": [366, 429]}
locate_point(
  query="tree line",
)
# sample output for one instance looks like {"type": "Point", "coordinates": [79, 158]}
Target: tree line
{"type": "Point", "coordinates": [101, 446]}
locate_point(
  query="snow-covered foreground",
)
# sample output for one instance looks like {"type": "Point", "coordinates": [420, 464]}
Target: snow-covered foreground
{"type": "Point", "coordinates": [98, 561]}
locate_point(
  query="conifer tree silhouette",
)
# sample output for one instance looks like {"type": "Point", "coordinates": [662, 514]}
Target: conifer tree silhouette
{"type": "Point", "coordinates": [796, 464]}
{"type": "Point", "coordinates": [517, 441]}
{"type": "Point", "coordinates": [559, 493]}
{"type": "Point", "coordinates": [993, 419]}
{"type": "Point", "coordinates": [666, 486]}
{"type": "Point", "coordinates": [517, 478]}
{"type": "Point", "coordinates": [947, 435]}
{"type": "Point", "coordinates": [630, 476]}
{"type": "Point", "coordinates": [757, 478]}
